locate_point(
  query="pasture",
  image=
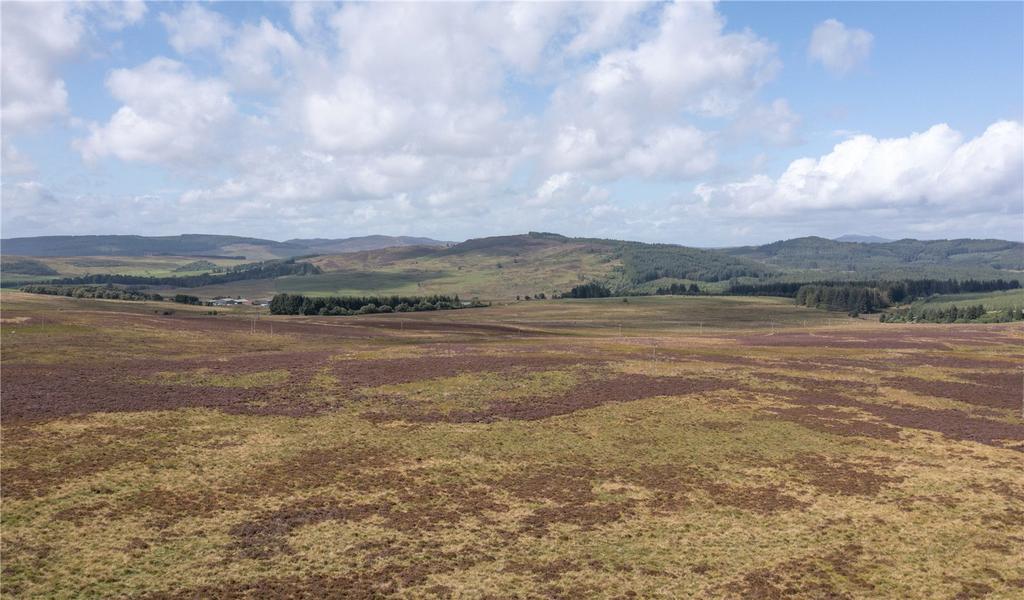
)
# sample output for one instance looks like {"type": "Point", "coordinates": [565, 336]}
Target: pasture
{"type": "Point", "coordinates": [990, 300]}
{"type": "Point", "coordinates": [661, 447]}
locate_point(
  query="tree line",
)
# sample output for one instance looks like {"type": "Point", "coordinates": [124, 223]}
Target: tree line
{"type": "Point", "coordinates": [297, 304]}
{"type": "Point", "coordinates": [953, 314]}
{"type": "Point", "coordinates": [679, 289]}
{"type": "Point", "coordinates": [896, 291]}
{"type": "Point", "coordinates": [108, 292]}
{"type": "Point", "coordinates": [854, 299]}
{"type": "Point", "coordinates": [588, 290]}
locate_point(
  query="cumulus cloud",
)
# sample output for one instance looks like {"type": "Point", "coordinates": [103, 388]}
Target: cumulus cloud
{"type": "Point", "coordinates": [634, 102]}
{"type": "Point", "coordinates": [437, 91]}
{"type": "Point", "coordinates": [118, 15]}
{"type": "Point", "coordinates": [690, 64]}
{"type": "Point", "coordinates": [839, 48]}
{"type": "Point", "coordinates": [427, 126]}
{"type": "Point", "coordinates": [259, 56]}
{"type": "Point", "coordinates": [195, 28]}
{"type": "Point", "coordinates": [167, 116]}
{"type": "Point", "coordinates": [563, 188]}
{"type": "Point", "coordinates": [37, 36]}
{"type": "Point", "coordinates": [775, 124]}
{"type": "Point", "coordinates": [603, 24]}
{"type": "Point", "coordinates": [933, 170]}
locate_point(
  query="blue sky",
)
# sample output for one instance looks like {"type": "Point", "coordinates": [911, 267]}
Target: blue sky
{"type": "Point", "coordinates": [700, 124]}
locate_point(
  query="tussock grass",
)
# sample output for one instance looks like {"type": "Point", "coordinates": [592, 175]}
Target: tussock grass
{"type": "Point", "coordinates": [789, 479]}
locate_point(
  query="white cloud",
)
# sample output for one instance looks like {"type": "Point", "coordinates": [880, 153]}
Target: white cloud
{"type": "Point", "coordinates": [118, 15]}
{"type": "Point", "coordinates": [672, 152]}
{"type": "Point", "coordinates": [566, 188]}
{"type": "Point", "coordinates": [437, 91]}
{"type": "Point", "coordinates": [195, 28]}
{"type": "Point", "coordinates": [774, 124]}
{"type": "Point", "coordinates": [36, 37]}
{"type": "Point", "coordinates": [14, 163]}
{"type": "Point", "coordinates": [633, 103]}
{"type": "Point", "coordinates": [603, 24]}
{"type": "Point", "coordinates": [428, 120]}
{"type": "Point", "coordinates": [839, 48]}
{"type": "Point", "coordinates": [259, 56]}
{"type": "Point", "coordinates": [933, 170]}
{"type": "Point", "coordinates": [690, 65]}
{"type": "Point", "coordinates": [167, 116]}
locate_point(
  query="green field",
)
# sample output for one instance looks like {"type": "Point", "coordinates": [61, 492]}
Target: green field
{"type": "Point", "coordinates": [990, 300]}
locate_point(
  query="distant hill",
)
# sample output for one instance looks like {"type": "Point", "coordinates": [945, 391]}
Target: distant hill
{"type": "Point", "coordinates": [900, 258]}
{"type": "Point", "coordinates": [862, 239]}
{"type": "Point", "coordinates": [137, 245]}
{"type": "Point", "coordinates": [366, 242]}
{"type": "Point", "coordinates": [197, 245]}
{"type": "Point", "coordinates": [504, 267]}
{"type": "Point", "coordinates": [514, 265]}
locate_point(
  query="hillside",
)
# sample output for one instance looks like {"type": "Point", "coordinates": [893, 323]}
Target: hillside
{"type": "Point", "coordinates": [503, 267]}
{"type": "Point", "coordinates": [359, 244]}
{"type": "Point", "coordinates": [215, 246]}
{"type": "Point", "coordinates": [901, 258]}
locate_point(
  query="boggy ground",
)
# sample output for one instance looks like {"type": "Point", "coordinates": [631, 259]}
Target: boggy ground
{"type": "Point", "coordinates": [665, 447]}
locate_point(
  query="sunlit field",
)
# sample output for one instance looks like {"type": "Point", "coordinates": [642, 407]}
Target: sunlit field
{"type": "Point", "coordinates": [661, 447]}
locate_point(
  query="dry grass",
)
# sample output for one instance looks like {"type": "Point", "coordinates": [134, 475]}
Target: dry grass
{"type": "Point", "coordinates": [741, 458]}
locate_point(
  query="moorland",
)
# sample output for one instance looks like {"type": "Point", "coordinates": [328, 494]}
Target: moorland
{"type": "Point", "coordinates": [740, 447]}
{"type": "Point", "coordinates": [629, 446]}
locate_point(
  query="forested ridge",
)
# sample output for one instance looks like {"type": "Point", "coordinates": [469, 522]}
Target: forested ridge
{"type": "Point", "coordinates": [820, 253]}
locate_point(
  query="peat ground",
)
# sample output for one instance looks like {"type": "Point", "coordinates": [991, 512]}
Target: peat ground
{"type": "Point", "coordinates": [665, 447]}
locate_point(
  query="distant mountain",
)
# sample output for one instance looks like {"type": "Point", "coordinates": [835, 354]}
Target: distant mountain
{"type": "Point", "coordinates": [862, 239]}
{"type": "Point", "coordinates": [907, 257]}
{"type": "Point", "coordinates": [359, 244]}
{"type": "Point", "coordinates": [196, 245]}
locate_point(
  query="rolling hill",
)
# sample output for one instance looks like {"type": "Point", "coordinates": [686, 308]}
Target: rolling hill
{"type": "Point", "coordinates": [217, 246]}
{"type": "Point", "coordinates": [503, 267]}
{"type": "Point", "coordinates": [901, 258]}
{"type": "Point", "coordinates": [366, 242]}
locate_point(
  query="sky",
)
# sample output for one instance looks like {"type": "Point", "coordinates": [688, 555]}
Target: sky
{"type": "Point", "coordinates": [692, 123]}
